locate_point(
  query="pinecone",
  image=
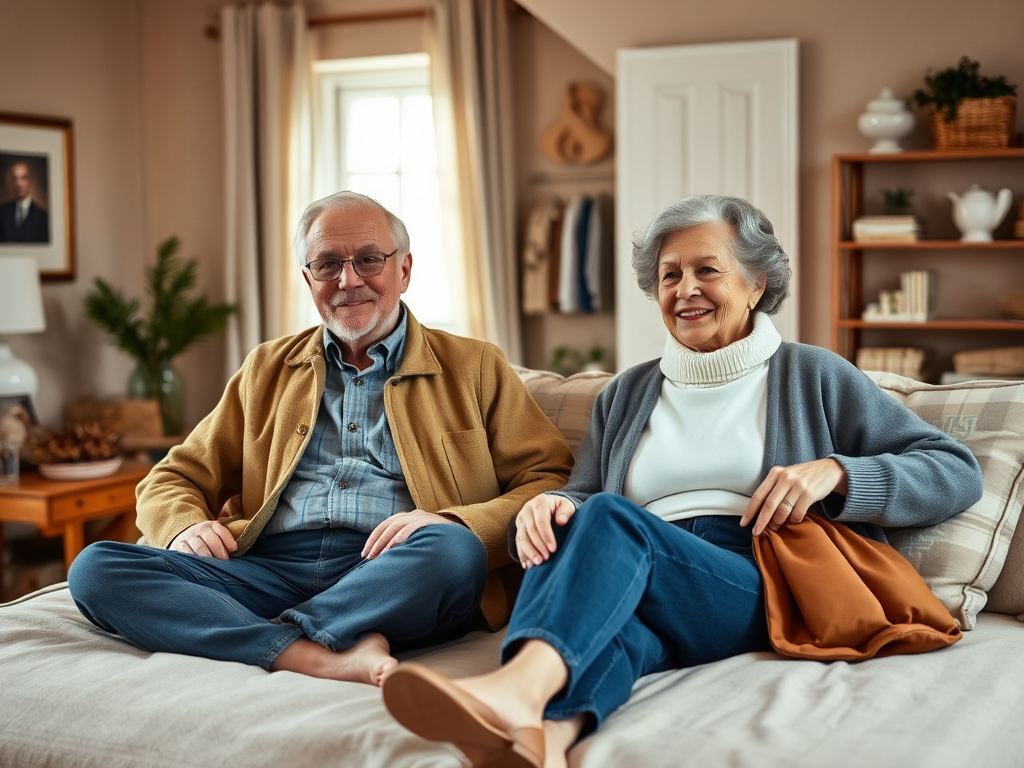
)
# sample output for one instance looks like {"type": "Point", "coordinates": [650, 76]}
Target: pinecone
{"type": "Point", "coordinates": [75, 442]}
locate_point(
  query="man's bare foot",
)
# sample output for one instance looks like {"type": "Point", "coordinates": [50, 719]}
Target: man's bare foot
{"type": "Point", "coordinates": [368, 661]}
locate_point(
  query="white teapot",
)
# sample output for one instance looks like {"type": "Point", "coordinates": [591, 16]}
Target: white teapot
{"type": "Point", "coordinates": [978, 212]}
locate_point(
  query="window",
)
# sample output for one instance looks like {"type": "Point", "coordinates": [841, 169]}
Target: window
{"type": "Point", "coordinates": [377, 129]}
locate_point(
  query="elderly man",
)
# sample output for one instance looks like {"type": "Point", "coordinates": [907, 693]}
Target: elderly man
{"type": "Point", "coordinates": [370, 468]}
{"type": "Point", "coordinates": [22, 220]}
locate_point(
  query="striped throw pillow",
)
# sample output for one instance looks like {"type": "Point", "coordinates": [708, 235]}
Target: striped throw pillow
{"type": "Point", "coordinates": [962, 558]}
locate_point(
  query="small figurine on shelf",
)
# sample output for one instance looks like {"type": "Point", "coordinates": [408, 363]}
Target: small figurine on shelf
{"type": "Point", "coordinates": [576, 137]}
{"type": "Point", "coordinates": [13, 432]}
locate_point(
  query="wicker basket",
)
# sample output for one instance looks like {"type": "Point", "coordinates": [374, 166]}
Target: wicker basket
{"type": "Point", "coordinates": [979, 123]}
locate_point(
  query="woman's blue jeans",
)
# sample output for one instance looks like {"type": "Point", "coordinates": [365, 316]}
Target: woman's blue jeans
{"type": "Point", "coordinates": [288, 585]}
{"type": "Point", "coordinates": [627, 594]}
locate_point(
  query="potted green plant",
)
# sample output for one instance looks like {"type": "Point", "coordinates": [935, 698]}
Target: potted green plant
{"type": "Point", "coordinates": [896, 201]}
{"type": "Point", "coordinates": [176, 320]}
{"type": "Point", "coordinates": [968, 109]}
{"type": "Point", "coordinates": [569, 361]}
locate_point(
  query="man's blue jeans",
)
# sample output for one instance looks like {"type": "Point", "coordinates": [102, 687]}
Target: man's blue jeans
{"type": "Point", "coordinates": [627, 594]}
{"type": "Point", "coordinates": [289, 585]}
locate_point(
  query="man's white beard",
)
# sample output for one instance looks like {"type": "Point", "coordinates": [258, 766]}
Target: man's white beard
{"type": "Point", "coordinates": [349, 335]}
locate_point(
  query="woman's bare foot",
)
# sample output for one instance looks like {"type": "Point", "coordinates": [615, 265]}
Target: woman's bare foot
{"type": "Point", "coordinates": [559, 736]}
{"type": "Point", "coordinates": [368, 661]}
{"type": "Point", "coordinates": [518, 691]}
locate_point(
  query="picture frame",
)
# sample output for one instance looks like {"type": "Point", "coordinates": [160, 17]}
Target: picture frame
{"type": "Point", "coordinates": [37, 211]}
{"type": "Point", "coordinates": [7, 402]}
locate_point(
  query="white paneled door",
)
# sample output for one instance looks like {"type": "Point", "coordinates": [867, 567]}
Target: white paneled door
{"type": "Point", "coordinates": [702, 119]}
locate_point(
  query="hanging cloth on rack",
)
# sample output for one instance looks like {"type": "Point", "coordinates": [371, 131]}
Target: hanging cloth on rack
{"type": "Point", "coordinates": [582, 235]}
{"type": "Point", "coordinates": [541, 227]}
{"type": "Point", "coordinates": [569, 266]}
{"type": "Point", "coordinates": [595, 252]}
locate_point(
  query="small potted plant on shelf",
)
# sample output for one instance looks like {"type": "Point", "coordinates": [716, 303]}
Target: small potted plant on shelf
{"type": "Point", "coordinates": [967, 108]}
{"type": "Point", "coordinates": [896, 202]}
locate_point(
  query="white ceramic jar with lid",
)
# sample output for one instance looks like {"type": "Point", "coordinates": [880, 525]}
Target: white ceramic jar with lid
{"type": "Point", "coordinates": [886, 121]}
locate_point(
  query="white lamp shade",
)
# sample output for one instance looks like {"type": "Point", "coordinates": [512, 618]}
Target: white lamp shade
{"type": "Point", "coordinates": [21, 298]}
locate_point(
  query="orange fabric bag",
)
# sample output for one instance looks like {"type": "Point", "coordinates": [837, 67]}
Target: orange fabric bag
{"type": "Point", "coordinates": [833, 595]}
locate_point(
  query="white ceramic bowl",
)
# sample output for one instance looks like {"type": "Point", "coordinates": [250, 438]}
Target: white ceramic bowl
{"type": "Point", "coordinates": [80, 470]}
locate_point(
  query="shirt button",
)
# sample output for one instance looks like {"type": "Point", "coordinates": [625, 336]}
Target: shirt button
{"type": "Point", "coordinates": [343, 484]}
{"type": "Point", "coordinates": [358, 382]}
{"type": "Point", "coordinates": [303, 429]}
{"type": "Point", "coordinates": [352, 427]}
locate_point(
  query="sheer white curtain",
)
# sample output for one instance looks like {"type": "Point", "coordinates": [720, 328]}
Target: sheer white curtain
{"type": "Point", "coordinates": [265, 57]}
{"type": "Point", "coordinates": [468, 43]}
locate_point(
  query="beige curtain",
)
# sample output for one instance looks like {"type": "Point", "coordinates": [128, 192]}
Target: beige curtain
{"type": "Point", "coordinates": [265, 54]}
{"type": "Point", "coordinates": [468, 43]}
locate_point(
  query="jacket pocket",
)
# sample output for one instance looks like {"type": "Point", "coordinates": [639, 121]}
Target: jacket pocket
{"type": "Point", "coordinates": [469, 459]}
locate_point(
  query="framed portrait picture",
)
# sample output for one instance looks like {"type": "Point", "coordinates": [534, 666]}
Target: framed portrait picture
{"type": "Point", "coordinates": [8, 403]}
{"type": "Point", "coordinates": [37, 193]}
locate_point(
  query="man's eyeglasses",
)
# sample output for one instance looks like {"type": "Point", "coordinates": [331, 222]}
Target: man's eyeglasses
{"type": "Point", "coordinates": [367, 265]}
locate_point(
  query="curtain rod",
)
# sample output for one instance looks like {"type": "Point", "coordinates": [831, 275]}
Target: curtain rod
{"type": "Point", "coordinates": [212, 31]}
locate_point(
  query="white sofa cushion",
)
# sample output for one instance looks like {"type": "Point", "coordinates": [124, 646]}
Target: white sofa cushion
{"type": "Point", "coordinates": [962, 558]}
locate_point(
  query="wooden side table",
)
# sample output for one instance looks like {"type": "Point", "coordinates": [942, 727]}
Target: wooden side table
{"type": "Point", "coordinates": [63, 507]}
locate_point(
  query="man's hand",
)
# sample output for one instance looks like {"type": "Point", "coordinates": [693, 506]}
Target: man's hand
{"type": "Point", "coordinates": [206, 539]}
{"type": "Point", "coordinates": [397, 529]}
{"type": "Point", "coordinates": [535, 539]}
{"type": "Point", "coordinates": [788, 492]}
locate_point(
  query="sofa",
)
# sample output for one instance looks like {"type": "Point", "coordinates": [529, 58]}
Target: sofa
{"type": "Point", "coordinates": [71, 695]}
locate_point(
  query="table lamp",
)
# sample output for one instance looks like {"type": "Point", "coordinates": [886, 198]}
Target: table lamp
{"type": "Point", "coordinates": [21, 311]}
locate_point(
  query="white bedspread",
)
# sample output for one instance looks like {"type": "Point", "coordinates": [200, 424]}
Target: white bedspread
{"type": "Point", "coordinates": [72, 696]}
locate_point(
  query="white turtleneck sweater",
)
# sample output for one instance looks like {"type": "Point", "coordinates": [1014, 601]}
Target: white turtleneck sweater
{"type": "Point", "coordinates": [702, 448]}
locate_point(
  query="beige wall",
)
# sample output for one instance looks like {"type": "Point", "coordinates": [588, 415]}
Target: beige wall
{"type": "Point", "coordinates": [848, 52]}
{"type": "Point", "coordinates": [82, 61]}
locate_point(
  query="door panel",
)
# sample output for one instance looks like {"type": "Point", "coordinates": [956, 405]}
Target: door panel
{"type": "Point", "coordinates": [707, 119]}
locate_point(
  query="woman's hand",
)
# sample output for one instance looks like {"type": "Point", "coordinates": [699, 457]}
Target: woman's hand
{"type": "Point", "coordinates": [788, 492]}
{"type": "Point", "coordinates": [535, 539]}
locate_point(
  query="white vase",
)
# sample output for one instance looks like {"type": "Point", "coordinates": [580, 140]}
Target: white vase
{"type": "Point", "coordinates": [886, 122]}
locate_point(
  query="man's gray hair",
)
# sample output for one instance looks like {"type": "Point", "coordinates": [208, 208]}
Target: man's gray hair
{"type": "Point", "coordinates": [754, 245]}
{"type": "Point", "coordinates": [347, 201]}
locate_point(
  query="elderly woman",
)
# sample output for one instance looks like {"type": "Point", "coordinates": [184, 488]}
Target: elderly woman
{"type": "Point", "coordinates": [644, 561]}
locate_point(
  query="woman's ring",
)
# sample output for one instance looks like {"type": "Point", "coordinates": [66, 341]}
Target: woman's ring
{"type": "Point", "coordinates": [787, 504]}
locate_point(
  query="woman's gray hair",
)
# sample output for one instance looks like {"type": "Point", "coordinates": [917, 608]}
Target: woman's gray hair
{"type": "Point", "coordinates": [754, 245]}
{"type": "Point", "coordinates": [347, 201]}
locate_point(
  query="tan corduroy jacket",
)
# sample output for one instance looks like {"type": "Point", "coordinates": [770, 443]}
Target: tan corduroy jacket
{"type": "Point", "coordinates": [472, 443]}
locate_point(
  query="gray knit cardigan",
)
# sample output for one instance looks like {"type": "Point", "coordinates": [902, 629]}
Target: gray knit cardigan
{"type": "Point", "coordinates": [901, 471]}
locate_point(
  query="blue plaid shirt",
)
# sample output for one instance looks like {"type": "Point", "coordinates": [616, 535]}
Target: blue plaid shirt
{"type": "Point", "coordinates": [349, 475]}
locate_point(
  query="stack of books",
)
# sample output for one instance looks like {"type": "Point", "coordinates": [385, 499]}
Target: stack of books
{"type": "Point", "coordinates": [887, 229]}
{"type": "Point", "coordinates": [905, 361]}
{"type": "Point", "coordinates": [914, 302]}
